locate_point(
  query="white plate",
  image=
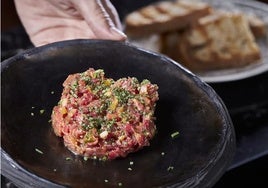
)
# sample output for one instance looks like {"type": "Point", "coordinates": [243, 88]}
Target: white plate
{"type": "Point", "coordinates": [232, 74]}
{"type": "Point", "coordinates": [247, 6]}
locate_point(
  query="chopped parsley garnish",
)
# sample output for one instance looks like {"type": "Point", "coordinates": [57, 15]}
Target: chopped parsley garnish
{"type": "Point", "coordinates": [93, 122]}
{"type": "Point", "coordinates": [86, 79]}
{"type": "Point", "coordinates": [175, 134]}
{"type": "Point", "coordinates": [85, 158]}
{"type": "Point", "coordinates": [122, 95]}
{"type": "Point", "coordinates": [42, 111]}
{"type": "Point", "coordinates": [98, 73]}
{"type": "Point", "coordinates": [74, 85]}
{"type": "Point", "coordinates": [38, 151]}
{"type": "Point", "coordinates": [73, 93]}
{"type": "Point", "coordinates": [98, 88]}
{"type": "Point", "coordinates": [104, 158]}
{"type": "Point", "coordinates": [74, 88]}
{"type": "Point", "coordinates": [145, 81]}
{"type": "Point", "coordinates": [68, 158]}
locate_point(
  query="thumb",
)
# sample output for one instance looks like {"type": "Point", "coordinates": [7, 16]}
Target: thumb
{"type": "Point", "coordinates": [102, 18]}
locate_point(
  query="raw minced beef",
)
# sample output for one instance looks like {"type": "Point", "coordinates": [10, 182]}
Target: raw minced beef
{"type": "Point", "coordinates": [102, 118]}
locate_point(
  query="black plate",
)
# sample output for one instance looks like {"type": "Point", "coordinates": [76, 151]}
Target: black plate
{"type": "Point", "coordinates": [32, 81]}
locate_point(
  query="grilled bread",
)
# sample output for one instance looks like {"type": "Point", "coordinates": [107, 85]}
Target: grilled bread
{"type": "Point", "coordinates": [164, 16]}
{"type": "Point", "coordinates": [217, 41]}
{"type": "Point", "coordinates": [196, 35]}
{"type": "Point", "coordinates": [257, 26]}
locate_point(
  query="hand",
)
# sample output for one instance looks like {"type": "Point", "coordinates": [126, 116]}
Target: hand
{"type": "Point", "coordinates": [48, 21]}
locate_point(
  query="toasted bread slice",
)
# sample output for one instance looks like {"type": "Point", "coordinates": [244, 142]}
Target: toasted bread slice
{"type": "Point", "coordinates": [218, 41]}
{"type": "Point", "coordinates": [257, 26]}
{"type": "Point", "coordinates": [164, 16]}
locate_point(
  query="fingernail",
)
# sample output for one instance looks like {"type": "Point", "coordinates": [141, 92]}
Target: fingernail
{"type": "Point", "coordinates": [118, 33]}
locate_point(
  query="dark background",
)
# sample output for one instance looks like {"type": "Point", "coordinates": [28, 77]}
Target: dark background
{"type": "Point", "coordinates": [246, 101]}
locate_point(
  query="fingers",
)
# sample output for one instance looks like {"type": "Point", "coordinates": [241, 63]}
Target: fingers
{"type": "Point", "coordinates": [110, 9]}
{"type": "Point", "coordinates": [102, 18]}
{"type": "Point", "coordinates": [56, 20]}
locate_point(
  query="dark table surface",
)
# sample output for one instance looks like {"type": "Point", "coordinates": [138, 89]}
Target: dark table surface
{"type": "Point", "coordinates": [245, 99]}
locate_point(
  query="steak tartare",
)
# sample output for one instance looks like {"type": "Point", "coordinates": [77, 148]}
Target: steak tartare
{"type": "Point", "coordinates": [101, 118]}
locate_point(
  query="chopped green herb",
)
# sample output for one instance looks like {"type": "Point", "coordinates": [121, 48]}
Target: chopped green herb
{"type": "Point", "coordinates": [122, 95]}
{"type": "Point", "coordinates": [68, 158]}
{"type": "Point", "coordinates": [93, 122]}
{"type": "Point", "coordinates": [73, 93]}
{"type": "Point", "coordinates": [104, 158]}
{"type": "Point", "coordinates": [85, 158]}
{"type": "Point", "coordinates": [74, 88]}
{"type": "Point", "coordinates": [38, 151]}
{"type": "Point", "coordinates": [98, 73]}
{"type": "Point", "coordinates": [86, 79]}
{"type": "Point", "coordinates": [175, 134]}
{"type": "Point", "coordinates": [42, 111]}
{"type": "Point", "coordinates": [170, 168]}
{"type": "Point", "coordinates": [49, 121]}
{"type": "Point", "coordinates": [145, 81]}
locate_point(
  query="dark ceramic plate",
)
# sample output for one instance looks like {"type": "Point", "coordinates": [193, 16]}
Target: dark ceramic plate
{"type": "Point", "coordinates": [32, 81]}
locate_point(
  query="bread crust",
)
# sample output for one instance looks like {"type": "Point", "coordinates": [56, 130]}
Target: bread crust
{"type": "Point", "coordinates": [198, 36]}
{"type": "Point", "coordinates": [257, 26]}
{"type": "Point", "coordinates": [164, 16]}
{"type": "Point", "coordinates": [218, 41]}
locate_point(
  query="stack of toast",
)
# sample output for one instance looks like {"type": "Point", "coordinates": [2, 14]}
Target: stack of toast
{"type": "Point", "coordinates": [197, 35]}
{"type": "Point", "coordinates": [164, 16]}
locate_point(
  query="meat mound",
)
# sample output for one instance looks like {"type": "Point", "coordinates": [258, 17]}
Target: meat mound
{"type": "Point", "coordinates": [101, 118]}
